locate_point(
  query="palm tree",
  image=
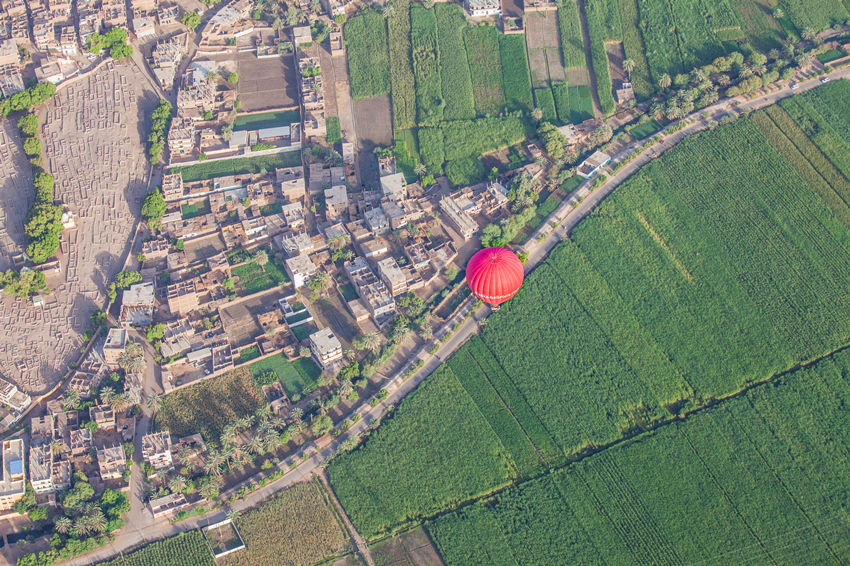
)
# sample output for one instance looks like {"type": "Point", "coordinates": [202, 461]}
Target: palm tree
{"type": "Point", "coordinates": [427, 332]}
{"type": "Point", "coordinates": [345, 388]}
{"type": "Point", "coordinates": [177, 484]}
{"type": "Point", "coordinates": [213, 463]}
{"type": "Point", "coordinates": [255, 445]}
{"type": "Point", "coordinates": [338, 241]}
{"type": "Point", "coordinates": [261, 258]}
{"type": "Point", "coordinates": [778, 13]}
{"type": "Point", "coordinates": [656, 111]}
{"type": "Point", "coordinates": [400, 334]}
{"type": "Point", "coordinates": [233, 514]}
{"type": "Point", "coordinates": [629, 66]}
{"type": "Point", "coordinates": [153, 402]}
{"type": "Point", "coordinates": [674, 112]}
{"type": "Point", "coordinates": [97, 521]}
{"type": "Point", "coordinates": [774, 53]}
{"type": "Point", "coordinates": [697, 75]}
{"type": "Point", "coordinates": [803, 60]}
{"type": "Point", "coordinates": [350, 354]}
{"type": "Point", "coordinates": [371, 341]}
{"type": "Point", "coordinates": [297, 426]}
{"type": "Point", "coordinates": [296, 413]}
{"type": "Point", "coordinates": [537, 114]}
{"type": "Point", "coordinates": [420, 169]}
{"type": "Point", "coordinates": [808, 34]}
{"type": "Point", "coordinates": [229, 435]}
{"type": "Point", "coordinates": [81, 527]}
{"type": "Point", "coordinates": [121, 401]}
{"type": "Point", "coordinates": [664, 81]}
{"type": "Point", "coordinates": [293, 16]}
{"type": "Point", "coordinates": [132, 360]}
{"type": "Point", "coordinates": [316, 6]}
{"type": "Point", "coordinates": [63, 524]}
{"type": "Point", "coordinates": [723, 79]}
{"type": "Point", "coordinates": [208, 489]}
{"type": "Point", "coordinates": [278, 24]}
{"type": "Point", "coordinates": [789, 50]}
{"type": "Point", "coordinates": [271, 441]}
{"type": "Point", "coordinates": [106, 395]}
{"type": "Point", "coordinates": [56, 446]}
{"type": "Point", "coordinates": [320, 281]}
{"type": "Point", "coordinates": [70, 398]}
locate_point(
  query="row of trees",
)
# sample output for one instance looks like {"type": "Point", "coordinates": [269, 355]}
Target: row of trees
{"type": "Point", "coordinates": [160, 121]}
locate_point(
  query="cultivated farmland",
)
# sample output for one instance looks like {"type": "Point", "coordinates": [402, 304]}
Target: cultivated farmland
{"type": "Point", "coordinates": [185, 549]}
{"type": "Point", "coordinates": [437, 448]}
{"type": "Point", "coordinates": [572, 42]}
{"type": "Point", "coordinates": [485, 67]}
{"type": "Point", "coordinates": [401, 66]}
{"type": "Point", "coordinates": [763, 463]}
{"type": "Point", "coordinates": [295, 527]}
{"type": "Point", "coordinates": [426, 68]}
{"type": "Point", "coordinates": [515, 72]}
{"type": "Point", "coordinates": [368, 55]}
{"type": "Point", "coordinates": [678, 291]}
{"type": "Point", "coordinates": [454, 67]}
{"type": "Point", "coordinates": [207, 407]}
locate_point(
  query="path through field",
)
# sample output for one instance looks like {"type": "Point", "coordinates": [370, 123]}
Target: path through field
{"type": "Point", "coordinates": [359, 543]}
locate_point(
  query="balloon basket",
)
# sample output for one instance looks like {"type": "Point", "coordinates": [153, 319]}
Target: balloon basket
{"type": "Point", "coordinates": [495, 308]}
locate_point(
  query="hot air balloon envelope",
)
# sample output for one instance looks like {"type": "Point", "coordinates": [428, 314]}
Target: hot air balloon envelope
{"type": "Point", "coordinates": [494, 275]}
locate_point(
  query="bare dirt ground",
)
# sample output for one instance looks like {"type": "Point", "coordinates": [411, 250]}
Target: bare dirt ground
{"type": "Point", "coordinates": [578, 77]}
{"type": "Point", "coordinates": [616, 56]}
{"type": "Point", "coordinates": [267, 83]}
{"type": "Point", "coordinates": [544, 48]}
{"type": "Point", "coordinates": [414, 547]}
{"type": "Point", "coordinates": [374, 124]}
{"type": "Point", "coordinates": [92, 136]}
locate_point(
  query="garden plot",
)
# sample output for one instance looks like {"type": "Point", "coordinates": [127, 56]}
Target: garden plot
{"type": "Point", "coordinates": [544, 48]}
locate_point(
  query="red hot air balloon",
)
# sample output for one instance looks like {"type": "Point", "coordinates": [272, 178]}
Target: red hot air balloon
{"type": "Point", "coordinates": [494, 275]}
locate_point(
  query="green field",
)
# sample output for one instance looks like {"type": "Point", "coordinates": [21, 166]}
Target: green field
{"type": "Point", "coordinates": [757, 477]}
{"type": "Point", "coordinates": [572, 41]}
{"type": "Point", "coordinates": [308, 371]}
{"type": "Point", "coordinates": [645, 130]}
{"type": "Point", "coordinates": [426, 65]}
{"type": "Point", "coordinates": [197, 209]}
{"type": "Point", "coordinates": [454, 67]}
{"type": "Point", "coordinates": [333, 130]}
{"type": "Point", "coordinates": [267, 120]}
{"type": "Point", "coordinates": [241, 166]}
{"type": "Point", "coordinates": [465, 171]}
{"type": "Point", "coordinates": [601, 26]}
{"type": "Point", "coordinates": [515, 75]}
{"type": "Point", "coordinates": [368, 54]}
{"type": "Point", "coordinates": [545, 101]}
{"type": "Point", "coordinates": [407, 154]}
{"type": "Point", "coordinates": [561, 96]}
{"type": "Point", "coordinates": [186, 549]}
{"type": "Point", "coordinates": [830, 55]}
{"type": "Point", "coordinates": [581, 104]}
{"type": "Point", "coordinates": [678, 292]}
{"type": "Point", "coordinates": [437, 447]}
{"type": "Point", "coordinates": [401, 66]}
{"type": "Point", "coordinates": [485, 67]}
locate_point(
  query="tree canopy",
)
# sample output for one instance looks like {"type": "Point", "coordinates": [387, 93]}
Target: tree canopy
{"type": "Point", "coordinates": [153, 209]}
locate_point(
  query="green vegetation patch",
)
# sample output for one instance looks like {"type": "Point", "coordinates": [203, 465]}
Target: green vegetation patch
{"type": "Point", "coordinates": [464, 171]}
{"type": "Point", "coordinates": [208, 406]}
{"type": "Point", "coordinates": [462, 138]}
{"type": "Point", "coordinates": [401, 66]}
{"type": "Point", "coordinates": [267, 120]}
{"type": "Point", "coordinates": [572, 41]}
{"type": "Point", "coordinates": [432, 149]}
{"type": "Point", "coordinates": [438, 449]}
{"type": "Point", "coordinates": [546, 102]}
{"type": "Point", "coordinates": [645, 130]}
{"type": "Point", "coordinates": [635, 50]}
{"type": "Point", "coordinates": [407, 153]}
{"type": "Point", "coordinates": [454, 66]}
{"type": "Point", "coordinates": [561, 96]}
{"type": "Point", "coordinates": [368, 54]}
{"type": "Point", "coordinates": [596, 12]}
{"type": "Point", "coordinates": [515, 75]}
{"type": "Point", "coordinates": [426, 66]}
{"type": "Point", "coordinates": [298, 523]}
{"type": "Point", "coordinates": [581, 104]}
{"type": "Point", "coordinates": [763, 463]}
{"type": "Point", "coordinates": [186, 549]}
{"type": "Point", "coordinates": [334, 134]}
{"type": "Point", "coordinates": [485, 67]}
{"type": "Point", "coordinates": [196, 209]}
{"type": "Point", "coordinates": [241, 166]}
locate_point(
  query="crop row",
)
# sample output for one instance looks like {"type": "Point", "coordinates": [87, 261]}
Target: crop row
{"type": "Point", "coordinates": [513, 438]}
{"type": "Point", "coordinates": [297, 523]}
{"type": "Point", "coordinates": [517, 404]}
{"type": "Point", "coordinates": [185, 549]}
{"type": "Point", "coordinates": [431, 149]}
{"type": "Point", "coordinates": [572, 41]}
{"type": "Point", "coordinates": [435, 449]}
{"type": "Point", "coordinates": [368, 55]}
{"type": "Point", "coordinates": [815, 14]}
{"type": "Point", "coordinates": [426, 69]}
{"type": "Point", "coordinates": [477, 137]}
{"type": "Point", "coordinates": [465, 171]}
{"type": "Point", "coordinates": [485, 67]}
{"type": "Point", "coordinates": [595, 11]}
{"type": "Point", "coordinates": [581, 103]}
{"type": "Point", "coordinates": [561, 95]}
{"type": "Point", "coordinates": [401, 66]}
{"type": "Point", "coordinates": [820, 131]}
{"type": "Point", "coordinates": [821, 176]}
{"type": "Point", "coordinates": [454, 66]}
{"type": "Point", "coordinates": [764, 464]}
{"type": "Point", "coordinates": [515, 77]}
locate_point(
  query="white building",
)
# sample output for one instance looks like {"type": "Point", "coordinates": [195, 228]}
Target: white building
{"type": "Point", "coordinates": [9, 395]}
{"type": "Point", "coordinates": [377, 221]}
{"type": "Point", "coordinates": [394, 186]}
{"type": "Point", "coordinates": [478, 8]}
{"type": "Point", "coordinates": [156, 450]}
{"type": "Point", "coordinates": [462, 221]}
{"type": "Point", "coordinates": [326, 347]}
{"type": "Point", "coordinates": [593, 164]}
{"type": "Point", "coordinates": [300, 269]}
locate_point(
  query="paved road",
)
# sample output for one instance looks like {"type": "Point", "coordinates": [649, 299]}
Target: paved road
{"type": "Point", "coordinates": [141, 526]}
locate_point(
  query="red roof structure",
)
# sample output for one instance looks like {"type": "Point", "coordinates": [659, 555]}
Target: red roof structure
{"type": "Point", "coordinates": [494, 275]}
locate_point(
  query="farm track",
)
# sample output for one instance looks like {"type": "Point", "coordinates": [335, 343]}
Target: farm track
{"type": "Point", "coordinates": [359, 543]}
{"type": "Point", "coordinates": [567, 218]}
